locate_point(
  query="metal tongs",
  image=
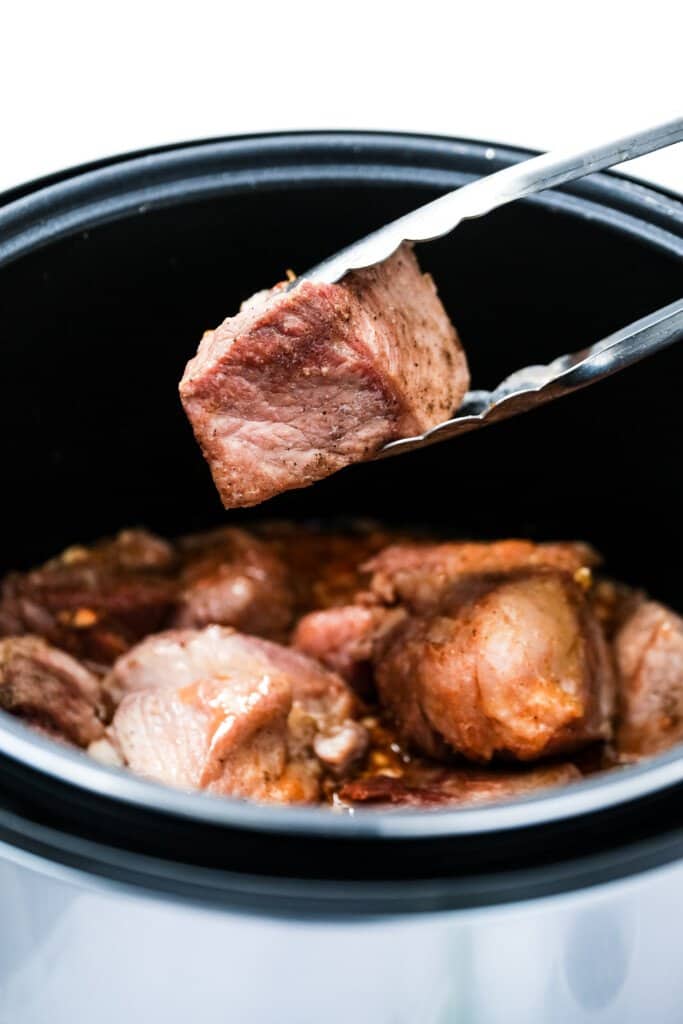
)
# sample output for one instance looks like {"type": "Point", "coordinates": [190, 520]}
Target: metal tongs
{"type": "Point", "coordinates": [534, 385]}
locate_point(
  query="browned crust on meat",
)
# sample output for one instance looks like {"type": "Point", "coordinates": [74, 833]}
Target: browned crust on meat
{"type": "Point", "coordinates": [302, 383]}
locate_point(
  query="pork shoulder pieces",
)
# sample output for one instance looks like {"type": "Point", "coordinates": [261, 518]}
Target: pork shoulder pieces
{"type": "Point", "coordinates": [649, 655]}
{"type": "Point", "coordinates": [94, 602]}
{"type": "Point", "coordinates": [418, 574]}
{"type": "Point", "coordinates": [229, 577]}
{"type": "Point", "coordinates": [216, 710]}
{"type": "Point", "coordinates": [514, 666]}
{"type": "Point", "coordinates": [304, 381]}
{"type": "Point", "coordinates": [50, 690]}
{"type": "Point", "coordinates": [343, 639]}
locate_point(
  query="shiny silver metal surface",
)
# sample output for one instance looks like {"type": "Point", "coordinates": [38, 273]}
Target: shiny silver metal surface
{"type": "Point", "coordinates": [72, 952]}
{"type": "Point", "coordinates": [442, 215]}
{"type": "Point", "coordinates": [533, 386]}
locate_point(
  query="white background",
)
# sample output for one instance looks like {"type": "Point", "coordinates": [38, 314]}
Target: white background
{"type": "Point", "coordinates": [81, 80]}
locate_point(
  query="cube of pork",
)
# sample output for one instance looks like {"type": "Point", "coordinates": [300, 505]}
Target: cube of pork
{"type": "Point", "coordinates": [427, 787]}
{"type": "Point", "coordinates": [50, 690]}
{"type": "Point", "coordinates": [649, 656]}
{"type": "Point", "coordinates": [94, 601]}
{"type": "Point", "coordinates": [234, 714]}
{"type": "Point", "coordinates": [416, 577]}
{"type": "Point", "coordinates": [419, 574]}
{"type": "Point", "coordinates": [231, 578]}
{"type": "Point", "coordinates": [305, 381]}
{"type": "Point", "coordinates": [343, 638]}
{"type": "Point", "coordinates": [225, 737]}
{"type": "Point", "coordinates": [517, 667]}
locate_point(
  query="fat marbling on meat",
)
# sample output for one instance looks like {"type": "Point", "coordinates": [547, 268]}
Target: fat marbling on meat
{"type": "Point", "coordinates": [303, 382]}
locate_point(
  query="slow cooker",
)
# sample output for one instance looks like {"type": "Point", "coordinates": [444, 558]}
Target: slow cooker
{"type": "Point", "coordinates": [121, 900]}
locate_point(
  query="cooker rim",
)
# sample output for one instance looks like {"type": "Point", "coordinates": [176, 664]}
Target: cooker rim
{"type": "Point", "coordinates": [652, 214]}
{"type": "Point", "coordinates": [93, 864]}
{"type": "Point", "coordinates": [494, 151]}
{"type": "Point", "coordinates": [614, 788]}
{"type": "Point", "coordinates": [85, 197]}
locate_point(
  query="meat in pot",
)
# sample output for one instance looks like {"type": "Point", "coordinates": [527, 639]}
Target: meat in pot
{"type": "Point", "coordinates": [287, 664]}
{"type": "Point", "coordinates": [94, 601]}
{"type": "Point", "coordinates": [232, 578]}
{"type": "Point", "coordinates": [214, 709]}
{"type": "Point", "coordinates": [649, 654]}
{"type": "Point", "coordinates": [50, 690]}
{"type": "Point", "coordinates": [513, 665]}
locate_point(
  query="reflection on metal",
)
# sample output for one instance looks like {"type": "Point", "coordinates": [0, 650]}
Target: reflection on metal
{"type": "Point", "coordinates": [442, 215]}
{"type": "Point", "coordinates": [533, 386]}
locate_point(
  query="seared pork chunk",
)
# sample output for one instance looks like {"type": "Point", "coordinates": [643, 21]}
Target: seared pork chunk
{"type": "Point", "coordinates": [419, 574]}
{"type": "Point", "coordinates": [514, 665]}
{"type": "Point", "coordinates": [649, 656]}
{"type": "Point", "coordinates": [417, 577]}
{"type": "Point", "coordinates": [50, 690]}
{"type": "Point", "coordinates": [259, 581]}
{"type": "Point", "coordinates": [433, 787]}
{"type": "Point", "coordinates": [343, 639]}
{"type": "Point", "coordinates": [233, 714]}
{"type": "Point", "coordinates": [231, 578]}
{"type": "Point", "coordinates": [227, 737]}
{"type": "Point", "coordinates": [305, 381]}
{"type": "Point", "coordinates": [94, 601]}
